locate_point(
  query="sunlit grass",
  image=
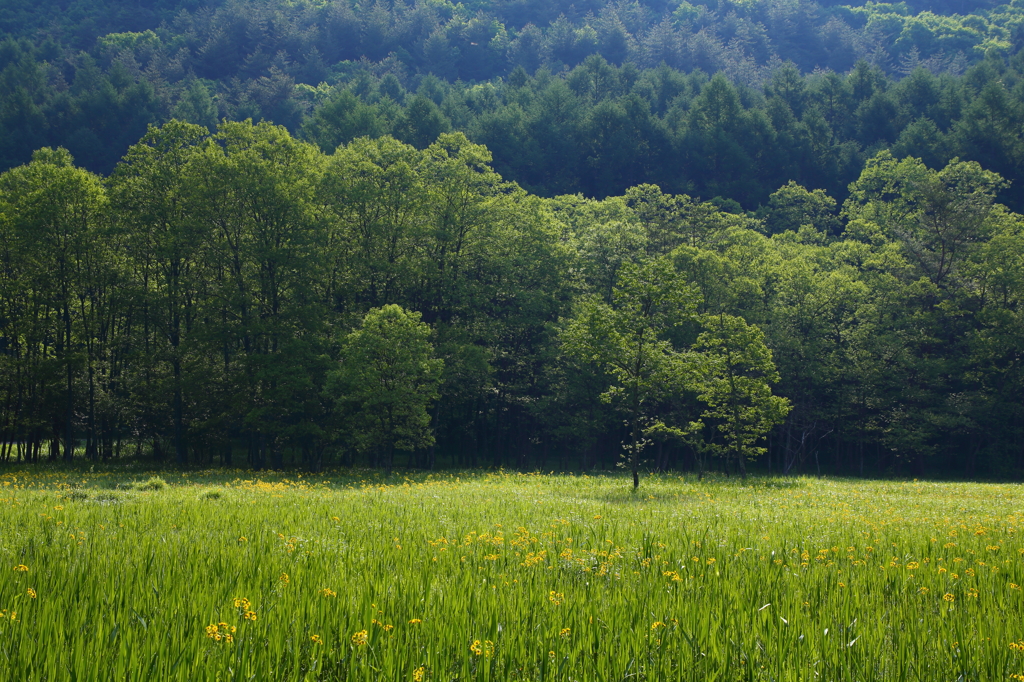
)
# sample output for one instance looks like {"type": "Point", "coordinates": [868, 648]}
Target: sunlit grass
{"type": "Point", "coordinates": [230, 575]}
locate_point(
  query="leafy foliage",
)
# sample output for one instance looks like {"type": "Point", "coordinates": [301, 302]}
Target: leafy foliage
{"type": "Point", "coordinates": [389, 379]}
{"type": "Point", "coordinates": [193, 303]}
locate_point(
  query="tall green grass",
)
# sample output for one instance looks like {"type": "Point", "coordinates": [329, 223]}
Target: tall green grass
{"type": "Point", "coordinates": [506, 577]}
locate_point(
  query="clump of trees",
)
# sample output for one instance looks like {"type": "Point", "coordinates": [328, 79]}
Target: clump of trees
{"type": "Point", "coordinates": [386, 381]}
{"type": "Point", "coordinates": [240, 296]}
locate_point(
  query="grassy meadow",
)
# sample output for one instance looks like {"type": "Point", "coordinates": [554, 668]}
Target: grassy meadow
{"type": "Point", "coordinates": [503, 576]}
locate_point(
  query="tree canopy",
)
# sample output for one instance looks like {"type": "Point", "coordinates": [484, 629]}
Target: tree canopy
{"type": "Point", "coordinates": [240, 296]}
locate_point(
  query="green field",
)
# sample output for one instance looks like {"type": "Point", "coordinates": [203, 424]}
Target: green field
{"type": "Point", "coordinates": [502, 576]}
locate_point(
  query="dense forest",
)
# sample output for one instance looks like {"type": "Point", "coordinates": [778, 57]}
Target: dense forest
{"type": "Point", "coordinates": [514, 233]}
{"type": "Point", "coordinates": [714, 99]}
{"type": "Point", "coordinates": [242, 297]}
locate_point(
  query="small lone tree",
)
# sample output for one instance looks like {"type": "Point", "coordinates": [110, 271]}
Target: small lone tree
{"type": "Point", "coordinates": [627, 341]}
{"type": "Point", "coordinates": [734, 384]}
{"type": "Point", "coordinates": [387, 379]}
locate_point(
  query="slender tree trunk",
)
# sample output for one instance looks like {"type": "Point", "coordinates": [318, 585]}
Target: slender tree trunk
{"type": "Point", "coordinates": [635, 454]}
{"type": "Point", "coordinates": [740, 459]}
{"type": "Point", "coordinates": [69, 442]}
{"type": "Point", "coordinates": [180, 446]}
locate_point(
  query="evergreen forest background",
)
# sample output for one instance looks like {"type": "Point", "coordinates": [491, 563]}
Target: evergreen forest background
{"type": "Point", "coordinates": [539, 182]}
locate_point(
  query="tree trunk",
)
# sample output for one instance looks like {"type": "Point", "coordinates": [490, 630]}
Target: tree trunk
{"type": "Point", "coordinates": [69, 441]}
{"type": "Point", "coordinates": [180, 447]}
{"type": "Point", "coordinates": [635, 454]}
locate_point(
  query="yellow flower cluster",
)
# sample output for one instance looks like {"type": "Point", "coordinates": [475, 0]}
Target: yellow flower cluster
{"type": "Point", "coordinates": [385, 627]}
{"type": "Point", "coordinates": [221, 632]}
{"type": "Point", "coordinates": [534, 558]}
{"type": "Point", "coordinates": [244, 607]}
{"type": "Point", "coordinates": [565, 632]}
{"type": "Point", "coordinates": [485, 648]}
{"type": "Point", "coordinates": [419, 674]}
{"type": "Point", "coordinates": [21, 567]}
{"type": "Point", "coordinates": [360, 638]}
{"type": "Point", "coordinates": [31, 593]}
{"type": "Point", "coordinates": [556, 598]}
{"type": "Point", "coordinates": [316, 640]}
{"type": "Point", "coordinates": [11, 616]}
{"type": "Point", "coordinates": [328, 592]}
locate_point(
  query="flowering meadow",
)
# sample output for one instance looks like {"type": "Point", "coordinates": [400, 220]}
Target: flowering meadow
{"type": "Point", "coordinates": [503, 576]}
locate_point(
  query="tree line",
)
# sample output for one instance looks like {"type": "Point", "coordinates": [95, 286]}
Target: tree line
{"type": "Point", "coordinates": [487, 38]}
{"type": "Point", "coordinates": [600, 129]}
{"type": "Point", "coordinates": [92, 76]}
{"type": "Point", "coordinates": [597, 129]}
{"type": "Point", "coordinates": [241, 297]}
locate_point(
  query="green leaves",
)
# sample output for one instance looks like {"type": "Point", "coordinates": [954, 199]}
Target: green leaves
{"type": "Point", "coordinates": [387, 380]}
{"type": "Point", "coordinates": [936, 216]}
{"type": "Point", "coordinates": [733, 381]}
{"type": "Point", "coordinates": [626, 340]}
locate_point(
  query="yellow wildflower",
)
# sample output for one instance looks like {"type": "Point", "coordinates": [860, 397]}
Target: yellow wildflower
{"type": "Point", "coordinates": [486, 648]}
